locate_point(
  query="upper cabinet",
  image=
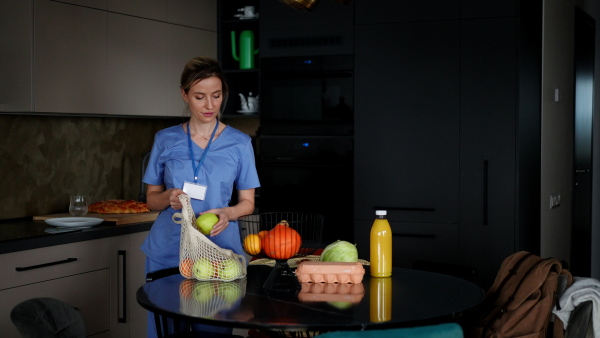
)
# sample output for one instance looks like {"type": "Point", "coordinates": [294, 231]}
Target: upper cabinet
{"type": "Point", "coordinates": [101, 57]}
{"type": "Point", "coordinates": [133, 89]}
{"type": "Point", "coordinates": [477, 9]}
{"type": "Point", "coordinates": [407, 121]}
{"type": "Point", "coordinates": [179, 51]}
{"type": "Point", "coordinates": [385, 11]}
{"type": "Point", "coordinates": [149, 9]}
{"type": "Point", "coordinates": [69, 63]}
{"type": "Point", "coordinates": [200, 14]}
{"type": "Point", "coordinates": [327, 30]}
{"type": "Point", "coordinates": [193, 13]}
{"type": "Point", "coordinates": [98, 4]}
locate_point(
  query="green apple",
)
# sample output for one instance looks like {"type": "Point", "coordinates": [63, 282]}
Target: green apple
{"type": "Point", "coordinates": [203, 292]}
{"type": "Point", "coordinates": [203, 269]}
{"type": "Point", "coordinates": [230, 292]}
{"type": "Point", "coordinates": [229, 269]}
{"type": "Point", "coordinates": [205, 222]}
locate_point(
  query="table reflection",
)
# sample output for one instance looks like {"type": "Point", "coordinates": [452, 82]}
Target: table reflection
{"type": "Point", "coordinates": [408, 298]}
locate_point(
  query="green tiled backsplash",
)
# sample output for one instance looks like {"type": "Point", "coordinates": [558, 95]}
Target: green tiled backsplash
{"type": "Point", "coordinates": [47, 158]}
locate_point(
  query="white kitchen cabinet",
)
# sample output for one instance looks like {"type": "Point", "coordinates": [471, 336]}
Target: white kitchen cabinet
{"type": "Point", "coordinates": [61, 57]}
{"type": "Point", "coordinates": [53, 57]}
{"type": "Point", "coordinates": [133, 89]}
{"type": "Point", "coordinates": [127, 262]}
{"type": "Point", "coordinates": [193, 13]}
{"type": "Point", "coordinates": [181, 48]}
{"type": "Point", "coordinates": [69, 64]}
{"type": "Point", "coordinates": [149, 9]}
{"type": "Point", "coordinates": [76, 273]}
{"type": "Point", "coordinates": [137, 58]}
{"type": "Point", "coordinates": [16, 29]}
{"type": "Point", "coordinates": [99, 4]}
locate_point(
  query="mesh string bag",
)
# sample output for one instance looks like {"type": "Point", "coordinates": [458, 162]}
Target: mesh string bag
{"type": "Point", "coordinates": [199, 257]}
{"type": "Point", "coordinates": [206, 298]}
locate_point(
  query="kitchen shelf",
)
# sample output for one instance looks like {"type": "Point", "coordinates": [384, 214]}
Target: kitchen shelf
{"type": "Point", "coordinates": [240, 81]}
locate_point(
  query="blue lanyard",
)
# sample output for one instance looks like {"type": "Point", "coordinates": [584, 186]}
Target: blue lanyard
{"type": "Point", "coordinates": [197, 167]}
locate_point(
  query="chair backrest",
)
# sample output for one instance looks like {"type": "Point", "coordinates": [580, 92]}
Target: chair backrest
{"type": "Point", "coordinates": [520, 301]}
{"type": "Point", "coordinates": [580, 322]}
{"type": "Point", "coordinates": [445, 330]}
{"type": "Point", "coordinates": [47, 317]}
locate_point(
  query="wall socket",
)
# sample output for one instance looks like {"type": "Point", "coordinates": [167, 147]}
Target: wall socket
{"type": "Point", "coordinates": [554, 201]}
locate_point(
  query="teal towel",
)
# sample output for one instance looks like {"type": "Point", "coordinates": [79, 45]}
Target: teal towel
{"type": "Point", "coordinates": [449, 330]}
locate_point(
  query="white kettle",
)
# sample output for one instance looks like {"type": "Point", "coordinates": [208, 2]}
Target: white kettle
{"type": "Point", "coordinates": [250, 104]}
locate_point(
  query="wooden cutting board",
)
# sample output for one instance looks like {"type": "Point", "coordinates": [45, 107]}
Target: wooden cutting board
{"type": "Point", "coordinates": [120, 219]}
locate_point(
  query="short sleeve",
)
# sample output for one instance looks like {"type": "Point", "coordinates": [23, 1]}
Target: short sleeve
{"type": "Point", "coordinates": [247, 177]}
{"type": "Point", "coordinates": [154, 173]}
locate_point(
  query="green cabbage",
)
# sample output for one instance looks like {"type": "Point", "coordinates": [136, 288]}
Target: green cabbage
{"type": "Point", "coordinates": [340, 251]}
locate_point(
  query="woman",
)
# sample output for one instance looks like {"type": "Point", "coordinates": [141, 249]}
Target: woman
{"type": "Point", "coordinates": [204, 158]}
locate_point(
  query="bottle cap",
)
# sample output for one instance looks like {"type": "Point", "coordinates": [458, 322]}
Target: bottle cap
{"type": "Point", "coordinates": [380, 212]}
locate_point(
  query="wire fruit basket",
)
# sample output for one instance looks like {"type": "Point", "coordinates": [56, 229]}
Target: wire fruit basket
{"type": "Point", "coordinates": [281, 236]}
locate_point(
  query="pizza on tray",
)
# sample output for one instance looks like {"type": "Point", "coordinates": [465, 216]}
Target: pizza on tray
{"type": "Point", "coordinates": [118, 207]}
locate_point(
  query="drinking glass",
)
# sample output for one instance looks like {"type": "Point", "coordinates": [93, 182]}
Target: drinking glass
{"type": "Point", "coordinates": [78, 206]}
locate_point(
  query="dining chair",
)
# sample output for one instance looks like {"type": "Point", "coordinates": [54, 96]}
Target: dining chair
{"type": "Point", "coordinates": [168, 327]}
{"type": "Point", "coordinates": [47, 317]}
{"type": "Point", "coordinates": [445, 330]}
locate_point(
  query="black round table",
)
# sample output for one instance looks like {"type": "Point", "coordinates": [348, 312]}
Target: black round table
{"type": "Point", "coordinates": [408, 298]}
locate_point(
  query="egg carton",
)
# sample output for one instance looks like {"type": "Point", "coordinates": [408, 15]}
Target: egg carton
{"type": "Point", "coordinates": [330, 272]}
{"type": "Point", "coordinates": [328, 292]}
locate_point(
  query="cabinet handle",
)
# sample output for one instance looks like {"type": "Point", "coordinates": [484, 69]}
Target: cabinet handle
{"type": "Point", "coordinates": [414, 235]}
{"type": "Point", "coordinates": [122, 287]}
{"type": "Point", "coordinates": [25, 268]}
{"type": "Point", "coordinates": [403, 208]}
{"type": "Point", "coordinates": [485, 192]}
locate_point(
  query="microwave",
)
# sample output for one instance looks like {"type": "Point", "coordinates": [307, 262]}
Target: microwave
{"type": "Point", "coordinates": [309, 89]}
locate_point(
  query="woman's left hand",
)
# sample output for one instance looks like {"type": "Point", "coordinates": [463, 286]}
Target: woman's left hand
{"type": "Point", "coordinates": [223, 220]}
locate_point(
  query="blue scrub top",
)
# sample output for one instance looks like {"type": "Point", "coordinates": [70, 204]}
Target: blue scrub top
{"type": "Point", "coordinates": [229, 160]}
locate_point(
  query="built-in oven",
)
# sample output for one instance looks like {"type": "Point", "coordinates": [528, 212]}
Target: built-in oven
{"type": "Point", "coordinates": [315, 91]}
{"type": "Point", "coordinates": [310, 173]}
{"type": "Point", "coordinates": [305, 149]}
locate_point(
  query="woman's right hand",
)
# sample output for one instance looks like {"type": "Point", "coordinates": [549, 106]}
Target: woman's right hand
{"type": "Point", "coordinates": [174, 198]}
{"type": "Point", "coordinates": [159, 199]}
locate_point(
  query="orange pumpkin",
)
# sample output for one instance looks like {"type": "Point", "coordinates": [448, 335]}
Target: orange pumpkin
{"type": "Point", "coordinates": [252, 244]}
{"type": "Point", "coordinates": [263, 233]}
{"type": "Point", "coordinates": [281, 242]}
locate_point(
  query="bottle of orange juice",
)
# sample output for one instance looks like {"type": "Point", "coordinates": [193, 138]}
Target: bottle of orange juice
{"type": "Point", "coordinates": [381, 246]}
{"type": "Point", "coordinates": [380, 307]}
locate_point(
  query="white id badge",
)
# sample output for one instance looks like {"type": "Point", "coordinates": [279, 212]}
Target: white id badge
{"type": "Point", "coordinates": [195, 190]}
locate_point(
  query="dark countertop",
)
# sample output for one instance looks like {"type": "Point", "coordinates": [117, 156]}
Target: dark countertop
{"type": "Point", "coordinates": [26, 234]}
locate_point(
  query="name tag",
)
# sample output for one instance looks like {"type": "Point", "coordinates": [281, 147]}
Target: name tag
{"type": "Point", "coordinates": [195, 190]}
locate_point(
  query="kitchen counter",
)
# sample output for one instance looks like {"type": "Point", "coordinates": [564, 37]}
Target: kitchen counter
{"type": "Point", "coordinates": [26, 234]}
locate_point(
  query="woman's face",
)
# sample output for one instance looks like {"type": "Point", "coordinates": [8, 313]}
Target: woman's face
{"type": "Point", "coordinates": [205, 98]}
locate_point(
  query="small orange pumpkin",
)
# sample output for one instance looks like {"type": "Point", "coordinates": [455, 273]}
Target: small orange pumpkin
{"type": "Point", "coordinates": [263, 233]}
{"type": "Point", "coordinates": [281, 242]}
{"type": "Point", "coordinates": [252, 244]}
